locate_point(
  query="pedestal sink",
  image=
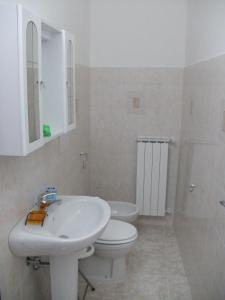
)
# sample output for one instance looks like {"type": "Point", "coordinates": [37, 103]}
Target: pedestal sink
{"type": "Point", "coordinates": [72, 224]}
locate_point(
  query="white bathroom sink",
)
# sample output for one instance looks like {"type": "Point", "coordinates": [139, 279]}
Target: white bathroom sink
{"type": "Point", "coordinates": [71, 225]}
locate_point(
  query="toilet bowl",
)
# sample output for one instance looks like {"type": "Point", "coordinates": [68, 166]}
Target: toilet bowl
{"type": "Point", "coordinates": [108, 264]}
{"type": "Point", "coordinates": [124, 211]}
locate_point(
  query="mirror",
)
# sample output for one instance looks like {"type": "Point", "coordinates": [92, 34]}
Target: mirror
{"type": "Point", "coordinates": [70, 83]}
{"type": "Point", "coordinates": [32, 82]}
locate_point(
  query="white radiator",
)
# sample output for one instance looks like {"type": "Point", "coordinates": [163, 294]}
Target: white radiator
{"type": "Point", "coordinates": [152, 162]}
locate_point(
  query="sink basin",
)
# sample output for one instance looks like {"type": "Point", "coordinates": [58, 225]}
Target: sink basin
{"type": "Point", "coordinates": [72, 224]}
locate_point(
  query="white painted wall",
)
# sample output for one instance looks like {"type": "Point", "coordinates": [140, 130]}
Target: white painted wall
{"type": "Point", "coordinates": [206, 30]}
{"type": "Point", "coordinates": [72, 15]}
{"type": "Point", "coordinates": [137, 33]}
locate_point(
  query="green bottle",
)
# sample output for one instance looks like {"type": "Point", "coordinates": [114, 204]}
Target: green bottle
{"type": "Point", "coordinates": [46, 130]}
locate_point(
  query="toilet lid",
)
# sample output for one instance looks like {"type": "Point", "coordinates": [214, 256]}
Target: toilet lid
{"type": "Point", "coordinates": [118, 232]}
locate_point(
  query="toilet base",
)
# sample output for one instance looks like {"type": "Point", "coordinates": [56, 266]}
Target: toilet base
{"type": "Point", "coordinates": [102, 270]}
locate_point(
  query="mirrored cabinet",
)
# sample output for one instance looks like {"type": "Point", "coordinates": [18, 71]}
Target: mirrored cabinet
{"type": "Point", "coordinates": [37, 81]}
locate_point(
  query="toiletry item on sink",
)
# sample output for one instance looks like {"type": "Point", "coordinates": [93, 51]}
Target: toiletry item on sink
{"type": "Point", "coordinates": [51, 193]}
{"type": "Point", "coordinates": [36, 217]}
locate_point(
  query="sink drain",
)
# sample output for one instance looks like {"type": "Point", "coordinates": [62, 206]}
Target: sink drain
{"type": "Point", "coordinates": [63, 236]}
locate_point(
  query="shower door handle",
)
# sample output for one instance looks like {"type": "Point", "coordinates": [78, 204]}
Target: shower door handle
{"type": "Point", "coordinates": [192, 187]}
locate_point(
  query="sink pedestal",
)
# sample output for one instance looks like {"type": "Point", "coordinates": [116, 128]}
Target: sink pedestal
{"type": "Point", "coordinates": [64, 277]}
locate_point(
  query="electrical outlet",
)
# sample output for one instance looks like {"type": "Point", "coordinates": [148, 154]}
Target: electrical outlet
{"type": "Point", "coordinates": [135, 102]}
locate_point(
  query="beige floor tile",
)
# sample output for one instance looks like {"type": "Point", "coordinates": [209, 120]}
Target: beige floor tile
{"type": "Point", "coordinates": [155, 268]}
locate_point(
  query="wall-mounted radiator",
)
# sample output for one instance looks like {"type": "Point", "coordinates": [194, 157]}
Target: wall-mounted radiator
{"type": "Point", "coordinates": [152, 165]}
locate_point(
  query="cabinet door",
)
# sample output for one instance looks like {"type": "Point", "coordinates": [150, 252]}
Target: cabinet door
{"type": "Point", "coordinates": [31, 68]}
{"type": "Point", "coordinates": [70, 82]}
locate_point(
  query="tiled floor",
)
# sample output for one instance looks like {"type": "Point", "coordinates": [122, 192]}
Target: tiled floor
{"type": "Point", "coordinates": [155, 269]}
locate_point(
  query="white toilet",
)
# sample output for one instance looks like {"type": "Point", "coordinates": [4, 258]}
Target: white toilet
{"type": "Point", "coordinates": [108, 264]}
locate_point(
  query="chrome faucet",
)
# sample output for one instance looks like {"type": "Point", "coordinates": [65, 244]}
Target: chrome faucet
{"type": "Point", "coordinates": [44, 202]}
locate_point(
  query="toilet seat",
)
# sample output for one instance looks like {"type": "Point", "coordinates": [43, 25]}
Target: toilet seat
{"type": "Point", "coordinates": [118, 232]}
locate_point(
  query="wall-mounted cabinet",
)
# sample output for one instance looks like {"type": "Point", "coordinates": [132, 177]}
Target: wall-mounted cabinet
{"type": "Point", "coordinates": [36, 81]}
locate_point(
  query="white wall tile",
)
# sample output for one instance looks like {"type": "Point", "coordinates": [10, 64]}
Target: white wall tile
{"type": "Point", "coordinates": [114, 128]}
{"type": "Point", "coordinates": [199, 219]}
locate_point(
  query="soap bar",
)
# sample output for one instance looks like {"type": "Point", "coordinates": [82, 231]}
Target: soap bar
{"type": "Point", "coordinates": [36, 217]}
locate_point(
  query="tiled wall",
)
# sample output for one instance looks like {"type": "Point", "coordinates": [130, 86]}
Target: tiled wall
{"type": "Point", "coordinates": [21, 179]}
{"type": "Point", "coordinates": [200, 219]}
{"type": "Point", "coordinates": [114, 126]}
